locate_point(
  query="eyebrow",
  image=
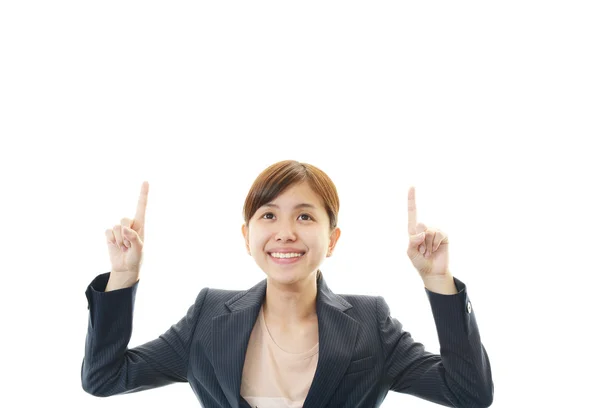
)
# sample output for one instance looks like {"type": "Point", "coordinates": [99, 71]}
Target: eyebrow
{"type": "Point", "coordinates": [303, 205]}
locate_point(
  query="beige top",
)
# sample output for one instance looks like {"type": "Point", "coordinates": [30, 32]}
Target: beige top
{"type": "Point", "coordinates": [272, 377]}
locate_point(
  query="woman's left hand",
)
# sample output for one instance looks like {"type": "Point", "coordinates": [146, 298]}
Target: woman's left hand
{"type": "Point", "coordinates": [427, 248]}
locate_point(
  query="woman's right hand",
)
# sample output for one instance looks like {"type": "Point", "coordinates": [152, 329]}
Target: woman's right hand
{"type": "Point", "coordinates": [126, 240]}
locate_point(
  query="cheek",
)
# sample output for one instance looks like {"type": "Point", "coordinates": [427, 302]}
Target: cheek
{"type": "Point", "coordinates": [259, 239]}
{"type": "Point", "coordinates": [318, 243]}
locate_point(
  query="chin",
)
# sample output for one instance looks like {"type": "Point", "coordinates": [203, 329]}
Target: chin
{"type": "Point", "coordinates": [286, 276]}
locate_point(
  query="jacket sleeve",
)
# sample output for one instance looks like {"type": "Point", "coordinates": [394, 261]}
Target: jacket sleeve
{"type": "Point", "coordinates": [109, 367]}
{"type": "Point", "coordinates": [460, 376]}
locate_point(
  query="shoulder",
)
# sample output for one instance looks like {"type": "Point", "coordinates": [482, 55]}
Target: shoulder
{"type": "Point", "coordinates": [362, 306]}
{"type": "Point", "coordinates": [355, 299]}
{"type": "Point", "coordinates": [210, 295]}
{"type": "Point", "coordinates": [367, 306]}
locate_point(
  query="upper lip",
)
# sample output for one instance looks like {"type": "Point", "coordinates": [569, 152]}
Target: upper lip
{"type": "Point", "coordinates": [286, 250]}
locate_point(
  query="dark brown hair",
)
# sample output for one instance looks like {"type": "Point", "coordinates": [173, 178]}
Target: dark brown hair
{"type": "Point", "coordinates": [280, 176]}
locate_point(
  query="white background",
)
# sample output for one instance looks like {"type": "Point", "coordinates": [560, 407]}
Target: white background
{"type": "Point", "coordinates": [490, 110]}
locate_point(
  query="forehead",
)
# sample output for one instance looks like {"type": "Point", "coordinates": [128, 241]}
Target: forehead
{"type": "Point", "coordinates": [298, 195]}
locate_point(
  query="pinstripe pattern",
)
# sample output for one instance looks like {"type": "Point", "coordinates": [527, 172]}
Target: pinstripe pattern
{"type": "Point", "coordinates": [363, 351]}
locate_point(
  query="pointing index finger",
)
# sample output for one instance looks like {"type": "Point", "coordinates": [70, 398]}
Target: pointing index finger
{"type": "Point", "coordinates": [412, 212]}
{"type": "Point", "coordinates": [140, 214]}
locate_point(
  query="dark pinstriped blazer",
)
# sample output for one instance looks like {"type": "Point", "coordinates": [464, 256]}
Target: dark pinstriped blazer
{"type": "Point", "coordinates": [363, 351]}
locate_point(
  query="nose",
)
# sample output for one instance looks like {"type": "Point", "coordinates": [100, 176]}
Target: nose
{"type": "Point", "coordinates": [286, 232]}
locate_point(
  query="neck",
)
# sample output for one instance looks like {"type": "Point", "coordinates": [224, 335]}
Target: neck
{"type": "Point", "coordinates": [294, 303]}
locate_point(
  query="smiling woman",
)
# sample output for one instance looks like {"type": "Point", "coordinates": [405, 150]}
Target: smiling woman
{"type": "Point", "coordinates": [297, 190]}
{"type": "Point", "coordinates": [289, 341]}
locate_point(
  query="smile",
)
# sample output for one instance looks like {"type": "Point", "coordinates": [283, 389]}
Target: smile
{"type": "Point", "coordinates": [286, 254]}
{"type": "Point", "coordinates": [285, 258]}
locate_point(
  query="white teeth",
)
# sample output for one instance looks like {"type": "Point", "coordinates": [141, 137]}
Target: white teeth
{"type": "Point", "coordinates": [285, 255]}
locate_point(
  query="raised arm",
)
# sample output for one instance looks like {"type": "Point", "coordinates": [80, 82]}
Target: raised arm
{"type": "Point", "coordinates": [109, 367]}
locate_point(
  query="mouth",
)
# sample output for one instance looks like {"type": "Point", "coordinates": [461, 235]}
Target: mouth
{"type": "Point", "coordinates": [284, 259]}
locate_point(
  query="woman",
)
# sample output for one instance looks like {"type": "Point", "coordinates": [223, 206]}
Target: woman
{"type": "Point", "coordinates": [289, 341]}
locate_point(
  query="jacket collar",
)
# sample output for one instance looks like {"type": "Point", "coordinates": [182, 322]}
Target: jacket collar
{"type": "Point", "coordinates": [255, 297]}
{"type": "Point", "coordinates": [231, 334]}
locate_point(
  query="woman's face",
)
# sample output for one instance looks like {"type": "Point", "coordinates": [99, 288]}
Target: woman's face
{"type": "Point", "coordinates": [296, 222]}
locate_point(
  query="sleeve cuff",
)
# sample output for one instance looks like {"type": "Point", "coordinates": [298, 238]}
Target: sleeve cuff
{"type": "Point", "coordinates": [452, 311]}
{"type": "Point", "coordinates": [96, 289]}
{"type": "Point", "coordinates": [109, 304]}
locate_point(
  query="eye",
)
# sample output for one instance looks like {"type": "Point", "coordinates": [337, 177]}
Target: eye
{"type": "Point", "coordinates": [307, 216]}
{"type": "Point", "coordinates": [301, 215]}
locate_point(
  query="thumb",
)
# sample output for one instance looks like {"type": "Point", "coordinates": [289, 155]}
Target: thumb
{"type": "Point", "coordinates": [133, 238]}
{"type": "Point", "coordinates": [416, 240]}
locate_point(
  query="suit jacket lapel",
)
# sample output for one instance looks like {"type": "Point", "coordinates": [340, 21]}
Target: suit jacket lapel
{"type": "Point", "coordinates": [337, 337]}
{"type": "Point", "coordinates": [231, 334]}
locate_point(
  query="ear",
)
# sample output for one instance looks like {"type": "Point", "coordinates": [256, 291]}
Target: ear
{"type": "Point", "coordinates": [245, 232]}
{"type": "Point", "coordinates": [333, 239]}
